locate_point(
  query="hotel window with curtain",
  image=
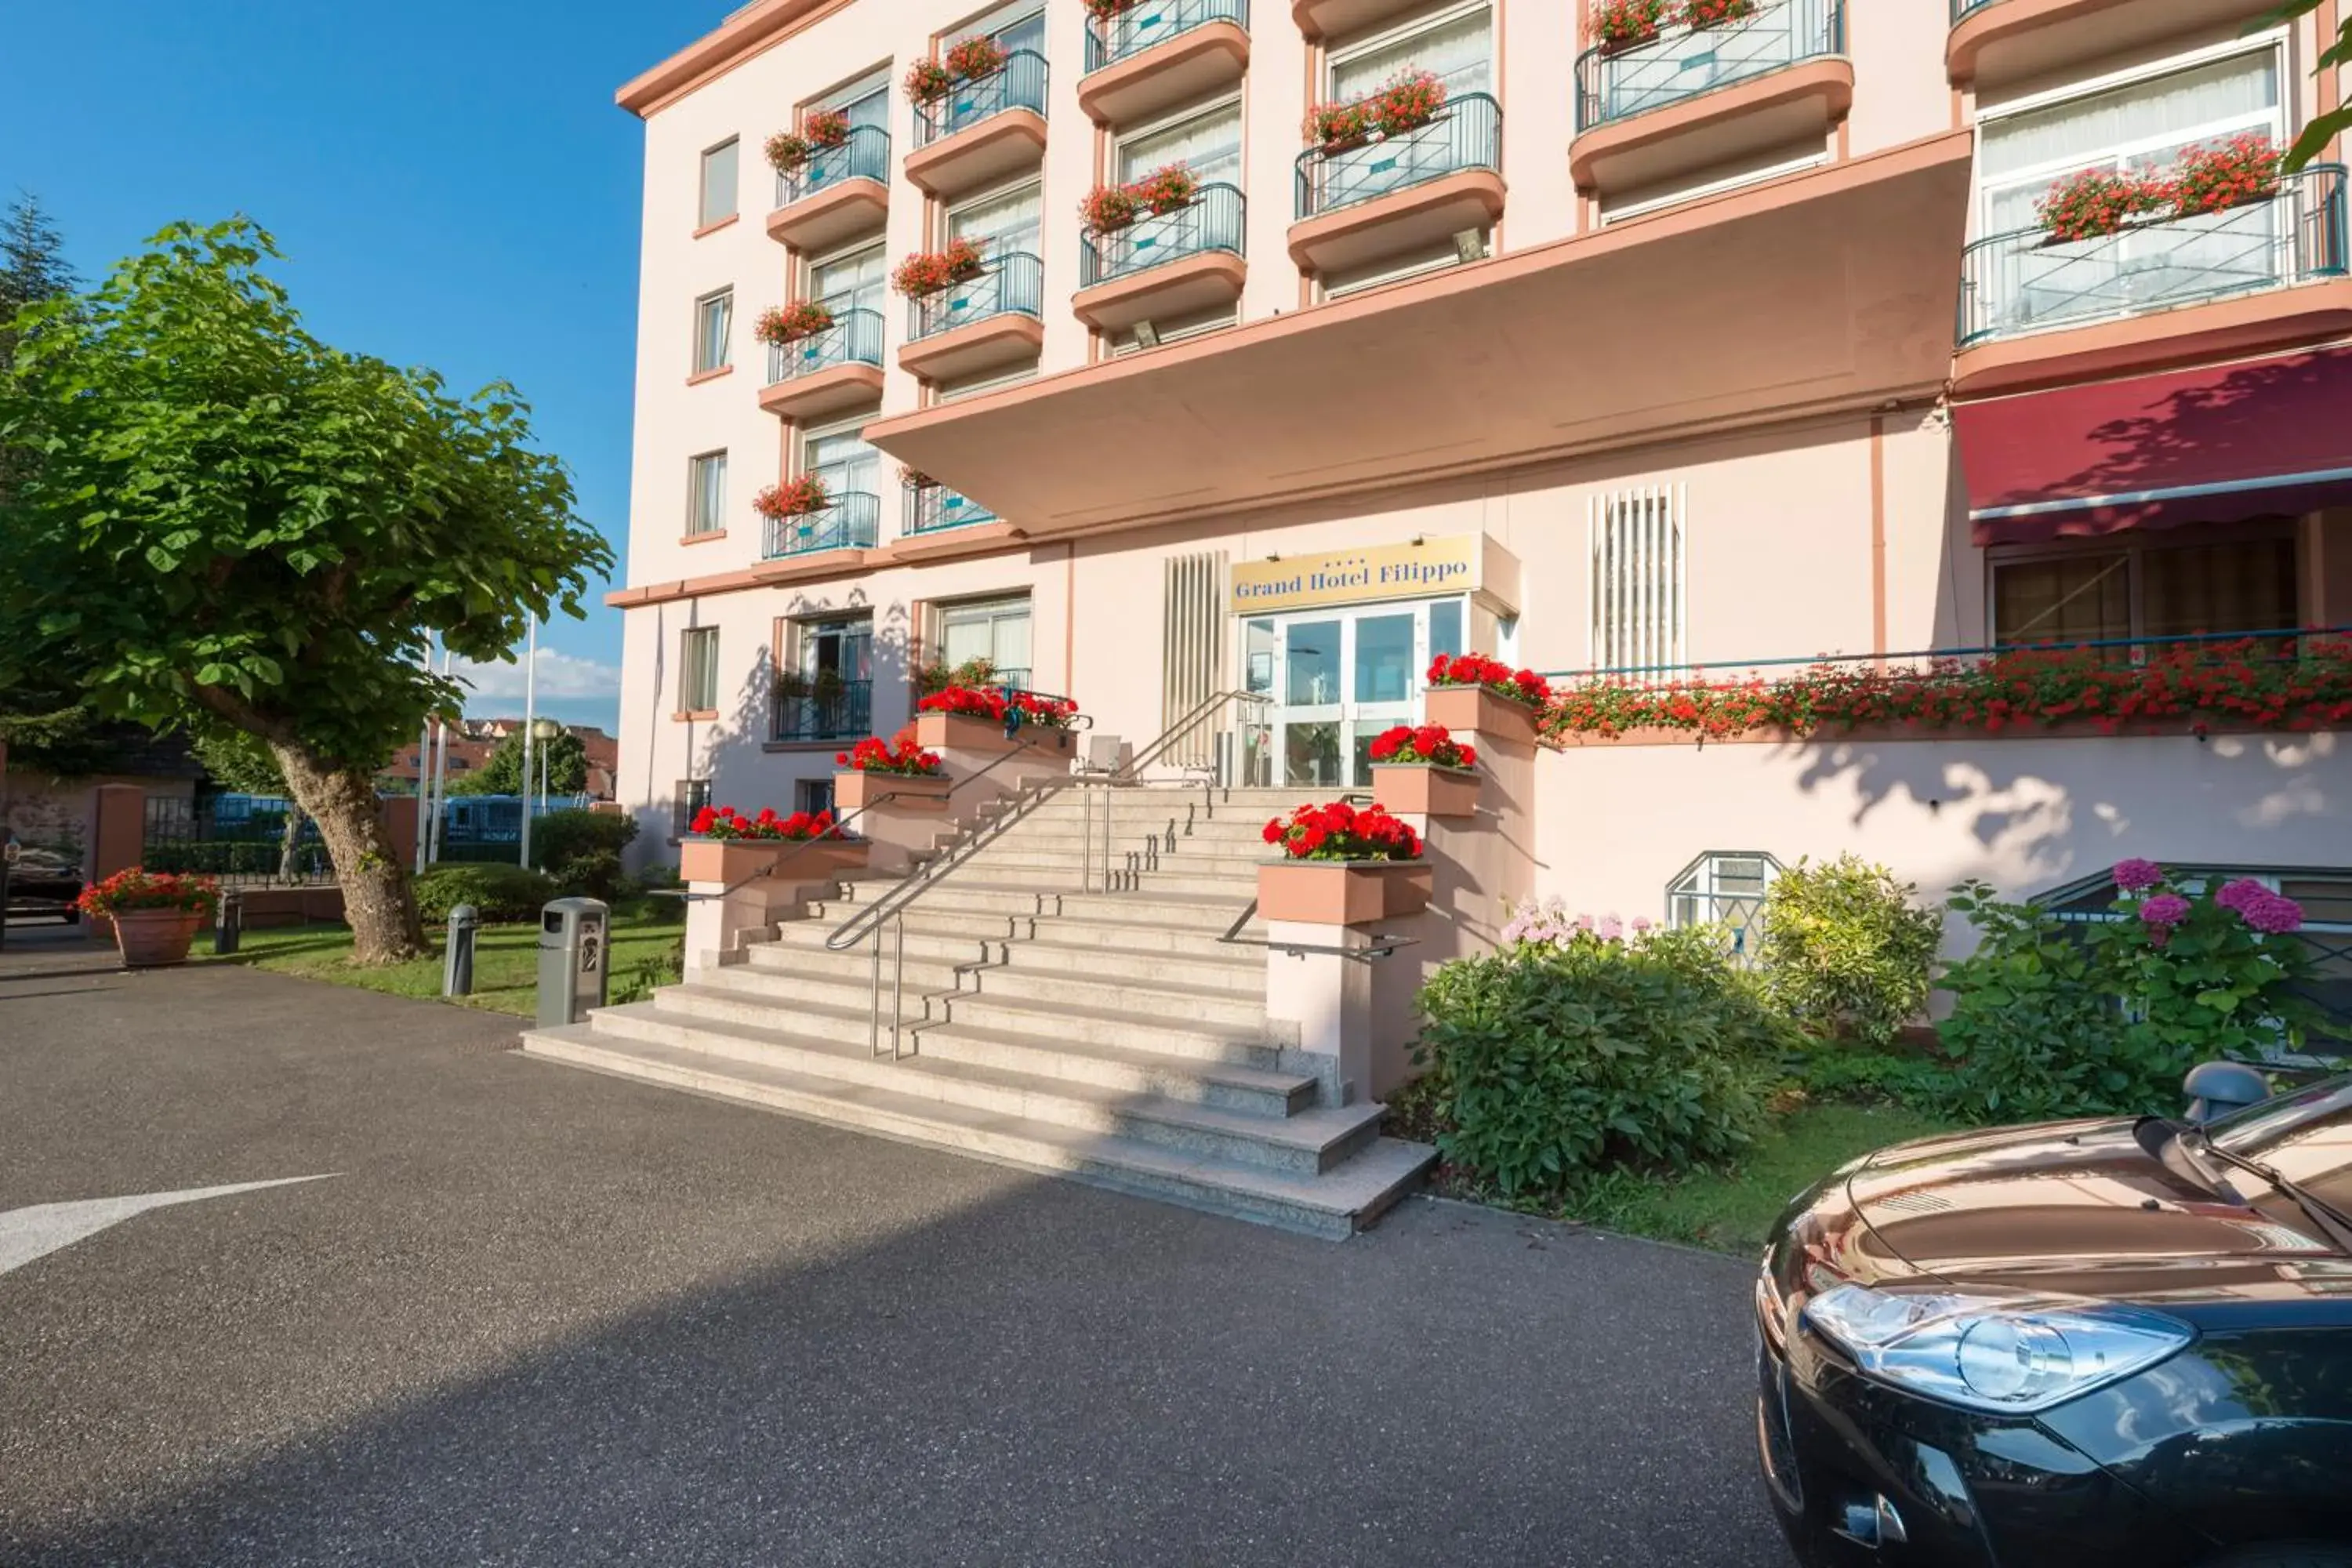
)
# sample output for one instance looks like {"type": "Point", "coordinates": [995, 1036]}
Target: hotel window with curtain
{"type": "Point", "coordinates": [1453, 43]}
{"type": "Point", "coordinates": [718, 183]}
{"type": "Point", "coordinates": [697, 671]}
{"type": "Point", "coordinates": [714, 322]}
{"type": "Point", "coordinates": [705, 494]}
{"type": "Point", "coordinates": [2151, 588]}
{"type": "Point", "coordinates": [995, 631]}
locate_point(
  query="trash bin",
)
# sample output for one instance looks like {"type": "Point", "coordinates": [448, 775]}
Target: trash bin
{"type": "Point", "coordinates": [573, 960]}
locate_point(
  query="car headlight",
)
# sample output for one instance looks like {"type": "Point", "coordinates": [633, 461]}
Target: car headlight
{"type": "Point", "coordinates": [1990, 1352]}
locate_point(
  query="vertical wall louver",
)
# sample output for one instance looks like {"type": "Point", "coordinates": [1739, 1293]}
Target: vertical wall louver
{"type": "Point", "coordinates": [1637, 579]}
{"type": "Point", "coordinates": [1192, 648]}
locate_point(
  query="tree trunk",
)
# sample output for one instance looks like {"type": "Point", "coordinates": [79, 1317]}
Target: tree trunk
{"type": "Point", "coordinates": [288, 844]}
{"type": "Point", "coordinates": [378, 904]}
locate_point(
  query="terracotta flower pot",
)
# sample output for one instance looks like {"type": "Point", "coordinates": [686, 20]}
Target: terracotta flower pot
{"type": "Point", "coordinates": [1613, 47]}
{"type": "Point", "coordinates": [1342, 892]}
{"type": "Point", "coordinates": [1426, 788]}
{"type": "Point", "coordinates": [734, 860]}
{"type": "Point", "coordinates": [969, 732]}
{"type": "Point", "coordinates": [858, 790]}
{"type": "Point", "coordinates": [1484, 712]}
{"type": "Point", "coordinates": [151, 938]}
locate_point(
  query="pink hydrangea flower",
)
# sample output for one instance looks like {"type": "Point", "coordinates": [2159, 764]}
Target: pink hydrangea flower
{"type": "Point", "coordinates": [1642, 925]}
{"type": "Point", "coordinates": [1611, 927]}
{"type": "Point", "coordinates": [2273, 914]}
{"type": "Point", "coordinates": [2137, 876]}
{"type": "Point", "coordinates": [2242, 894]}
{"type": "Point", "coordinates": [2164, 911]}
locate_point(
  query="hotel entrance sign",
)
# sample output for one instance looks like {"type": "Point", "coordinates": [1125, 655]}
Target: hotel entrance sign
{"type": "Point", "coordinates": [1460, 564]}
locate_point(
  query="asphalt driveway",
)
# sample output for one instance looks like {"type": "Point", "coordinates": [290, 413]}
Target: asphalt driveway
{"type": "Point", "coordinates": [535, 1316]}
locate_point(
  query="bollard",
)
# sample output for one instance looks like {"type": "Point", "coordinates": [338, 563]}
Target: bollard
{"type": "Point", "coordinates": [573, 965]}
{"type": "Point", "coordinates": [228, 927]}
{"type": "Point", "coordinates": [457, 952]}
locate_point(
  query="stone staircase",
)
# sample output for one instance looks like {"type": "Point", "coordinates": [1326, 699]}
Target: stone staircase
{"type": "Point", "coordinates": [1110, 1037]}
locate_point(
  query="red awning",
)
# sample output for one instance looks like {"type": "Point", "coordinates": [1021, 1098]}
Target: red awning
{"type": "Point", "coordinates": [2220, 443]}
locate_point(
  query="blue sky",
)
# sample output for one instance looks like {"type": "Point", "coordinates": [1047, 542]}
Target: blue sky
{"type": "Point", "coordinates": [451, 184]}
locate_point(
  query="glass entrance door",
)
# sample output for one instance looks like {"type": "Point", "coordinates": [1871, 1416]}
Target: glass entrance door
{"type": "Point", "coordinates": [1338, 678]}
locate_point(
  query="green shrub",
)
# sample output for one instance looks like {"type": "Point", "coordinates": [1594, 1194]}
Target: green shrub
{"type": "Point", "coordinates": [649, 975]}
{"type": "Point", "coordinates": [562, 836]}
{"type": "Point", "coordinates": [1564, 1057]}
{"type": "Point", "coordinates": [596, 874]}
{"type": "Point", "coordinates": [1845, 953]}
{"type": "Point", "coordinates": [502, 893]}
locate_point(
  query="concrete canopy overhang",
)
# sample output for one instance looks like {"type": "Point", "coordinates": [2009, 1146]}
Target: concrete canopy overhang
{"type": "Point", "coordinates": [1829, 290]}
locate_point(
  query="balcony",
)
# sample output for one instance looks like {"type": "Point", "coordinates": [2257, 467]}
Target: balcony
{"type": "Point", "coordinates": [991, 320]}
{"type": "Point", "coordinates": [1999, 43]}
{"type": "Point", "coordinates": [1696, 98]}
{"type": "Point", "coordinates": [982, 130]}
{"type": "Point", "coordinates": [933, 506]}
{"type": "Point", "coordinates": [1324, 19]}
{"type": "Point", "coordinates": [839, 194]}
{"type": "Point", "coordinates": [2031, 311]}
{"type": "Point", "coordinates": [1393, 194]}
{"type": "Point", "coordinates": [1156, 54]}
{"type": "Point", "coordinates": [827, 372]}
{"type": "Point", "coordinates": [821, 707]}
{"type": "Point", "coordinates": [1165, 265]}
{"type": "Point", "coordinates": [850, 521]}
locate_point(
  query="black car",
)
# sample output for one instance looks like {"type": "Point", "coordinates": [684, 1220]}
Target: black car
{"type": "Point", "coordinates": [2072, 1344]}
{"type": "Point", "coordinates": [43, 882]}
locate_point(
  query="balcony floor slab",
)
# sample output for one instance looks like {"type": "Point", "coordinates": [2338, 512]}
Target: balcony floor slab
{"type": "Point", "coordinates": [1401, 221]}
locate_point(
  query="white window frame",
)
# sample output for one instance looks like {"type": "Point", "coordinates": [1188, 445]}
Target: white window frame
{"type": "Point", "coordinates": [697, 526]}
{"type": "Point", "coordinates": [1427, 22]}
{"type": "Point", "coordinates": [703, 219]}
{"type": "Point", "coordinates": [1643, 208]}
{"type": "Point", "coordinates": [995, 606]}
{"type": "Point", "coordinates": [1226, 103]}
{"type": "Point", "coordinates": [814, 264]}
{"type": "Point", "coordinates": [2275, 41]}
{"type": "Point", "coordinates": [956, 392]}
{"type": "Point", "coordinates": [725, 299]}
{"type": "Point", "coordinates": [1029, 184]}
{"type": "Point", "coordinates": [688, 638]}
{"type": "Point", "coordinates": [993, 21]}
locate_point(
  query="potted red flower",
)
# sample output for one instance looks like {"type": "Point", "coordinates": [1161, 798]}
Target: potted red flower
{"type": "Point", "coordinates": [1622, 25]}
{"type": "Point", "coordinates": [1423, 769]}
{"type": "Point", "coordinates": [1485, 696]}
{"type": "Point", "coordinates": [725, 845]}
{"type": "Point", "coordinates": [2097, 203]}
{"type": "Point", "coordinates": [794, 498]}
{"type": "Point", "coordinates": [2214, 179]}
{"type": "Point", "coordinates": [1107, 209]}
{"type": "Point", "coordinates": [1109, 10]}
{"type": "Point", "coordinates": [826, 128]}
{"type": "Point", "coordinates": [927, 272]}
{"type": "Point", "coordinates": [780, 324]}
{"type": "Point", "coordinates": [1407, 103]}
{"type": "Point", "coordinates": [928, 81]}
{"type": "Point", "coordinates": [973, 718]}
{"type": "Point", "coordinates": [1701, 14]}
{"type": "Point", "coordinates": [1335, 128]}
{"type": "Point", "coordinates": [155, 917]}
{"type": "Point", "coordinates": [901, 775]}
{"type": "Point", "coordinates": [972, 58]}
{"type": "Point", "coordinates": [1166, 189]}
{"type": "Point", "coordinates": [1342, 865]}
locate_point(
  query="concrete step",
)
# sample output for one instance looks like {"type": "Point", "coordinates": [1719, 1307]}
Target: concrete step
{"type": "Point", "coordinates": [1138, 992]}
{"type": "Point", "coordinates": [1236, 1086]}
{"type": "Point", "coordinates": [955, 939]}
{"type": "Point", "coordinates": [1307, 1143]}
{"type": "Point", "coordinates": [1238, 970]}
{"type": "Point", "coordinates": [1332, 1203]}
{"type": "Point", "coordinates": [828, 979]}
{"type": "Point", "coordinates": [1190, 861]}
{"type": "Point", "coordinates": [832, 1016]}
{"type": "Point", "coordinates": [1173, 1034]}
{"type": "Point", "coordinates": [1143, 938]}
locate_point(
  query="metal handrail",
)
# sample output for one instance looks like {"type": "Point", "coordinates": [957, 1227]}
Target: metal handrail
{"type": "Point", "coordinates": [1210, 223]}
{"type": "Point", "coordinates": [1467, 134]}
{"type": "Point", "coordinates": [1681, 62]}
{"type": "Point", "coordinates": [1695, 668]}
{"type": "Point", "coordinates": [891, 908]}
{"type": "Point", "coordinates": [1018, 83]}
{"type": "Point", "coordinates": [864, 154]}
{"type": "Point", "coordinates": [1128, 32]}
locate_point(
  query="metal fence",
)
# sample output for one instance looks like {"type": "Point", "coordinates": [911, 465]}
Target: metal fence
{"type": "Point", "coordinates": [840, 711]}
{"type": "Point", "coordinates": [1148, 23]}
{"type": "Point", "coordinates": [854, 338]}
{"type": "Point", "coordinates": [850, 521]}
{"type": "Point", "coordinates": [932, 506]}
{"type": "Point", "coordinates": [1212, 221]}
{"type": "Point", "coordinates": [1612, 83]}
{"type": "Point", "coordinates": [1010, 284]}
{"type": "Point", "coordinates": [864, 156]}
{"type": "Point", "coordinates": [2023, 281]}
{"type": "Point", "coordinates": [1466, 135]}
{"type": "Point", "coordinates": [241, 839]}
{"type": "Point", "coordinates": [1019, 84]}
{"type": "Point", "coordinates": [489, 827]}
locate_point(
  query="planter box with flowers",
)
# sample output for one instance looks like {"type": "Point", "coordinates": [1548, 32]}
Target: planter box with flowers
{"type": "Point", "coordinates": [1425, 770]}
{"type": "Point", "coordinates": [1486, 697]}
{"type": "Point", "coordinates": [1407, 103]}
{"type": "Point", "coordinates": [927, 272]}
{"type": "Point", "coordinates": [155, 917]}
{"type": "Point", "coordinates": [780, 324]}
{"type": "Point", "coordinates": [875, 775]}
{"type": "Point", "coordinates": [729, 847]}
{"type": "Point", "coordinates": [1700, 15]}
{"type": "Point", "coordinates": [1342, 865]}
{"type": "Point", "coordinates": [821, 131]}
{"type": "Point", "coordinates": [1108, 209]}
{"type": "Point", "coordinates": [972, 718]}
{"type": "Point", "coordinates": [794, 498]}
{"type": "Point", "coordinates": [2097, 203]}
{"type": "Point", "coordinates": [1622, 25]}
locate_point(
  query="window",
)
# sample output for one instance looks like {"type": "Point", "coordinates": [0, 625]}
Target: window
{"type": "Point", "coordinates": [842, 460]}
{"type": "Point", "coordinates": [1019, 25]}
{"type": "Point", "coordinates": [705, 494]}
{"type": "Point", "coordinates": [691, 796]}
{"type": "Point", "coordinates": [1175, 329]}
{"type": "Point", "coordinates": [1725, 888]}
{"type": "Point", "coordinates": [714, 320]}
{"type": "Point", "coordinates": [2141, 590]}
{"type": "Point", "coordinates": [827, 689]}
{"type": "Point", "coordinates": [812, 796]}
{"type": "Point", "coordinates": [850, 280]}
{"type": "Point", "coordinates": [1208, 142]}
{"type": "Point", "coordinates": [1454, 45]}
{"type": "Point", "coordinates": [1637, 581]}
{"type": "Point", "coordinates": [718, 184]}
{"type": "Point", "coordinates": [996, 630]}
{"type": "Point", "coordinates": [697, 671]}
{"type": "Point", "coordinates": [1005, 221]}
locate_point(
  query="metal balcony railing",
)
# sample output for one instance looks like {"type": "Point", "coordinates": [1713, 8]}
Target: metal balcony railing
{"type": "Point", "coordinates": [1020, 83]}
{"type": "Point", "coordinates": [828, 709]}
{"type": "Point", "coordinates": [1211, 221]}
{"type": "Point", "coordinates": [1147, 23]}
{"type": "Point", "coordinates": [850, 521]}
{"type": "Point", "coordinates": [1466, 135]}
{"type": "Point", "coordinates": [2022, 282]}
{"type": "Point", "coordinates": [1962, 7]}
{"type": "Point", "coordinates": [1012, 284]}
{"type": "Point", "coordinates": [864, 156]}
{"type": "Point", "coordinates": [854, 338]}
{"type": "Point", "coordinates": [931, 508]}
{"type": "Point", "coordinates": [1682, 62]}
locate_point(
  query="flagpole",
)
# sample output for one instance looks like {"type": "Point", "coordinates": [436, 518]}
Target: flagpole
{"type": "Point", "coordinates": [423, 768]}
{"type": "Point", "coordinates": [529, 725]}
{"type": "Point", "coordinates": [441, 764]}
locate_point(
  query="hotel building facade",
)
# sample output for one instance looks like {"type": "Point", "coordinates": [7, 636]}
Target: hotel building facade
{"type": "Point", "coordinates": [1731, 346]}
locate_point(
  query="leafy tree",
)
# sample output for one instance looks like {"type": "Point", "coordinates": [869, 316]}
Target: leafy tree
{"type": "Point", "coordinates": [242, 527]}
{"type": "Point", "coordinates": [243, 763]}
{"type": "Point", "coordinates": [566, 764]}
{"type": "Point", "coordinates": [32, 265]}
{"type": "Point", "coordinates": [2324, 128]}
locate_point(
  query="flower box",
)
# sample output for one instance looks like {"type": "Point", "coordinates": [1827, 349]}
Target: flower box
{"type": "Point", "coordinates": [971, 733]}
{"type": "Point", "coordinates": [1486, 713]}
{"type": "Point", "coordinates": [732, 862]}
{"type": "Point", "coordinates": [1426, 788]}
{"type": "Point", "coordinates": [1342, 892]}
{"type": "Point", "coordinates": [861, 790]}
{"type": "Point", "coordinates": [150, 939]}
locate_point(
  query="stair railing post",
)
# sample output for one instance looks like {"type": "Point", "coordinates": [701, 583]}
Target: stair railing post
{"type": "Point", "coordinates": [898, 979]}
{"type": "Point", "coordinates": [874, 999]}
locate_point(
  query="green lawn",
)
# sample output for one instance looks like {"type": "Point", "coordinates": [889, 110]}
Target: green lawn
{"type": "Point", "coordinates": [506, 959]}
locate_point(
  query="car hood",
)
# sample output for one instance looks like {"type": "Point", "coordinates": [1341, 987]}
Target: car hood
{"type": "Point", "coordinates": [2081, 1208]}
